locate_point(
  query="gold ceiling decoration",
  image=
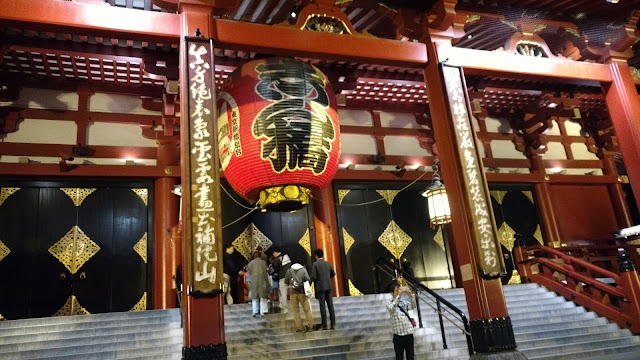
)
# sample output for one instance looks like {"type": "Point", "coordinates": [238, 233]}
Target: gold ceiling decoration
{"type": "Point", "coordinates": [76, 241]}
{"type": "Point", "coordinates": [141, 247]}
{"type": "Point", "coordinates": [506, 236]}
{"type": "Point", "coordinates": [305, 242]}
{"type": "Point", "coordinates": [515, 278]}
{"type": "Point", "coordinates": [143, 194]}
{"type": "Point", "coordinates": [388, 195]}
{"type": "Point", "coordinates": [71, 307]}
{"type": "Point", "coordinates": [6, 192]}
{"type": "Point", "coordinates": [538, 235]}
{"type": "Point", "coordinates": [348, 240]}
{"type": "Point", "coordinates": [394, 239]}
{"type": "Point", "coordinates": [353, 291]}
{"type": "Point", "coordinates": [439, 238]}
{"type": "Point", "coordinates": [77, 195]}
{"type": "Point", "coordinates": [341, 194]}
{"type": "Point", "coordinates": [498, 195]}
{"type": "Point", "coordinates": [142, 304]}
{"type": "Point", "coordinates": [249, 240]}
{"type": "Point", "coordinates": [4, 250]}
{"type": "Point", "coordinates": [529, 195]}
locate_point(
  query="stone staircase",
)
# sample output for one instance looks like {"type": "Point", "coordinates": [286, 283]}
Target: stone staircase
{"type": "Point", "coordinates": [545, 325]}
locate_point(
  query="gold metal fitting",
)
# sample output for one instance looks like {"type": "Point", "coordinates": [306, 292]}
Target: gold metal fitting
{"type": "Point", "coordinates": [284, 198]}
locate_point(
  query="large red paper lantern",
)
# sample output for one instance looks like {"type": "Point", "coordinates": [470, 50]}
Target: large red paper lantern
{"type": "Point", "coordinates": [278, 132]}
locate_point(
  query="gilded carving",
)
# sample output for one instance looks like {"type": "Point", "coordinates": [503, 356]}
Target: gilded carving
{"type": "Point", "coordinates": [142, 304]}
{"type": "Point", "coordinates": [6, 192]}
{"type": "Point", "coordinates": [388, 195]}
{"type": "Point", "coordinates": [499, 195]}
{"type": "Point", "coordinates": [538, 235]}
{"type": "Point", "coordinates": [353, 291]}
{"type": "Point", "coordinates": [4, 250]}
{"type": "Point", "coordinates": [143, 194]}
{"type": "Point", "coordinates": [515, 278]}
{"type": "Point", "coordinates": [394, 239]}
{"type": "Point", "coordinates": [506, 236]}
{"type": "Point", "coordinates": [71, 307]}
{"type": "Point", "coordinates": [141, 247]}
{"type": "Point", "coordinates": [249, 240]}
{"type": "Point", "coordinates": [305, 242]}
{"type": "Point", "coordinates": [439, 238]}
{"type": "Point", "coordinates": [2, 317]}
{"type": "Point", "coordinates": [279, 194]}
{"type": "Point", "coordinates": [77, 195]}
{"type": "Point", "coordinates": [348, 240]}
{"type": "Point", "coordinates": [324, 23]}
{"type": "Point", "coordinates": [74, 249]}
{"type": "Point", "coordinates": [529, 195]}
{"type": "Point", "coordinates": [341, 194]}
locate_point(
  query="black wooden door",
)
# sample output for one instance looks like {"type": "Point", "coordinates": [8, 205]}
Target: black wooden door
{"type": "Point", "coordinates": [73, 250]}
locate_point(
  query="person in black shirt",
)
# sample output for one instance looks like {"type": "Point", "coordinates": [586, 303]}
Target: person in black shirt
{"type": "Point", "coordinates": [232, 267]}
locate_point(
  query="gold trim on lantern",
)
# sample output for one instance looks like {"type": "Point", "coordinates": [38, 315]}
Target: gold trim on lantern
{"type": "Point", "coordinates": [281, 195]}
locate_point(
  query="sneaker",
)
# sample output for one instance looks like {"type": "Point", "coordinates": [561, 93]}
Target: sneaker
{"type": "Point", "coordinates": [324, 327]}
{"type": "Point", "coordinates": [302, 330]}
{"type": "Point", "coordinates": [309, 328]}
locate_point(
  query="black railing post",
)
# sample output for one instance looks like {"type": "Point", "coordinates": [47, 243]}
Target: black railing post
{"type": "Point", "coordinates": [467, 333]}
{"type": "Point", "coordinates": [444, 338]}
{"type": "Point", "coordinates": [418, 309]}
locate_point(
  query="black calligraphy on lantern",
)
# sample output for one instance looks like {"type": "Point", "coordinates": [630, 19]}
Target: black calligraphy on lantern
{"type": "Point", "coordinates": [470, 162]}
{"type": "Point", "coordinates": [296, 130]}
{"type": "Point", "coordinates": [202, 163]}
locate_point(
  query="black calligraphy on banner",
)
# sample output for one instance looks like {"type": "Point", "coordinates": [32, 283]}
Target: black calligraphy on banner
{"type": "Point", "coordinates": [475, 185]}
{"type": "Point", "coordinates": [296, 130]}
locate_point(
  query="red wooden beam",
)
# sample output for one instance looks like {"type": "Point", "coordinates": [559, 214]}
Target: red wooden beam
{"type": "Point", "coordinates": [285, 41]}
{"type": "Point", "coordinates": [380, 175]}
{"type": "Point", "coordinates": [45, 114]}
{"type": "Point", "coordinates": [493, 63]}
{"type": "Point", "coordinates": [366, 130]}
{"type": "Point", "coordinates": [112, 152]}
{"type": "Point", "coordinates": [93, 20]}
{"type": "Point", "coordinates": [49, 170]}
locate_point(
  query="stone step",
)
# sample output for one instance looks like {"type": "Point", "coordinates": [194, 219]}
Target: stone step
{"type": "Point", "coordinates": [115, 316]}
{"type": "Point", "coordinates": [575, 351]}
{"type": "Point", "coordinates": [562, 341]}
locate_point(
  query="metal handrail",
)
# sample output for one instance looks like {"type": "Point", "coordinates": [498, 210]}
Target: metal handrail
{"type": "Point", "coordinates": [384, 264]}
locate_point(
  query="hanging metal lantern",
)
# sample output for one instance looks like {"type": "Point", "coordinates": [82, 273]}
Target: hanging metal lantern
{"type": "Point", "coordinates": [437, 200]}
{"type": "Point", "coordinates": [278, 132]}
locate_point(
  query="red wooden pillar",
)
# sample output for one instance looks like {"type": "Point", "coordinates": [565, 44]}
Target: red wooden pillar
{"type": "Point", "coordinates": [203, 317]}
{"type": "Point", "coordinates": [543, 196]}
{"type": "Point", "coordinates": [490, 323]}
{"type": "Point", "coordinates": [617, 194]}
{"type": "Point", "coordinates": [624, 108]}
{"type": "Point", "coordinates": [327, 239]}
{"type": "Point", "coordinates": [166, 255]}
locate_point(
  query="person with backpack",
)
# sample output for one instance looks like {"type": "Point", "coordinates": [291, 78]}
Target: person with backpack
{"type": "Point", "coordinates": [295, 278]}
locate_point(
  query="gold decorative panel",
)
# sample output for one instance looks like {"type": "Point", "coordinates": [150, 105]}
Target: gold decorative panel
{"type": "Point", "coordinates": [2, 317]}
{"type": "Point", "coordinates": [506, 236]}
{"type": "Point", "coordinates": [529, 195]}
{"type": "Point", "coordinates": [249, 240]}
{"type": "Point", "coordinates": [388, 195]}
{"type": "Point", "coordinates": [71, 307]}
{"type": "Point", "coordinates": [305, 242]}
{"type": "Point", "coordinates": [439, 238]}
{"type": "Point", "coordinates": [74, 241]}
{"type": "Point", "coordinates": [538, 235]}
{"type": "Point", "coordinates": [353, 291]}
{"type": "Point", "coordinates": [394, 239]}
{"type": "Point", "coordinates": [4, 250]}
{"type": "Point", "coordinates": [143, 194]}
{"type": "Point", "coordinates": [142, 304]}
{"type": "Point", "coordinates": [348, 240]}
{"type": "Point", "coordinates": [341, 195]}
{"type": "Point", "coordinates": [6, 192]}
{"type": "Point", "coordinates": [141, 247]}
{"type": "Point", "coordinates": [499, 195]}
{"type": "Point", "coordinates": [515, 278]}
{"type": "Point", "coordinates": [77, 195]}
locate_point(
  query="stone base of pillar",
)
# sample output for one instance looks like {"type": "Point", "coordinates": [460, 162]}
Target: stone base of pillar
{"type": "Point", "coordinates": [492, 335]}
{"type": "Point", "coordinates": [205, 352]}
